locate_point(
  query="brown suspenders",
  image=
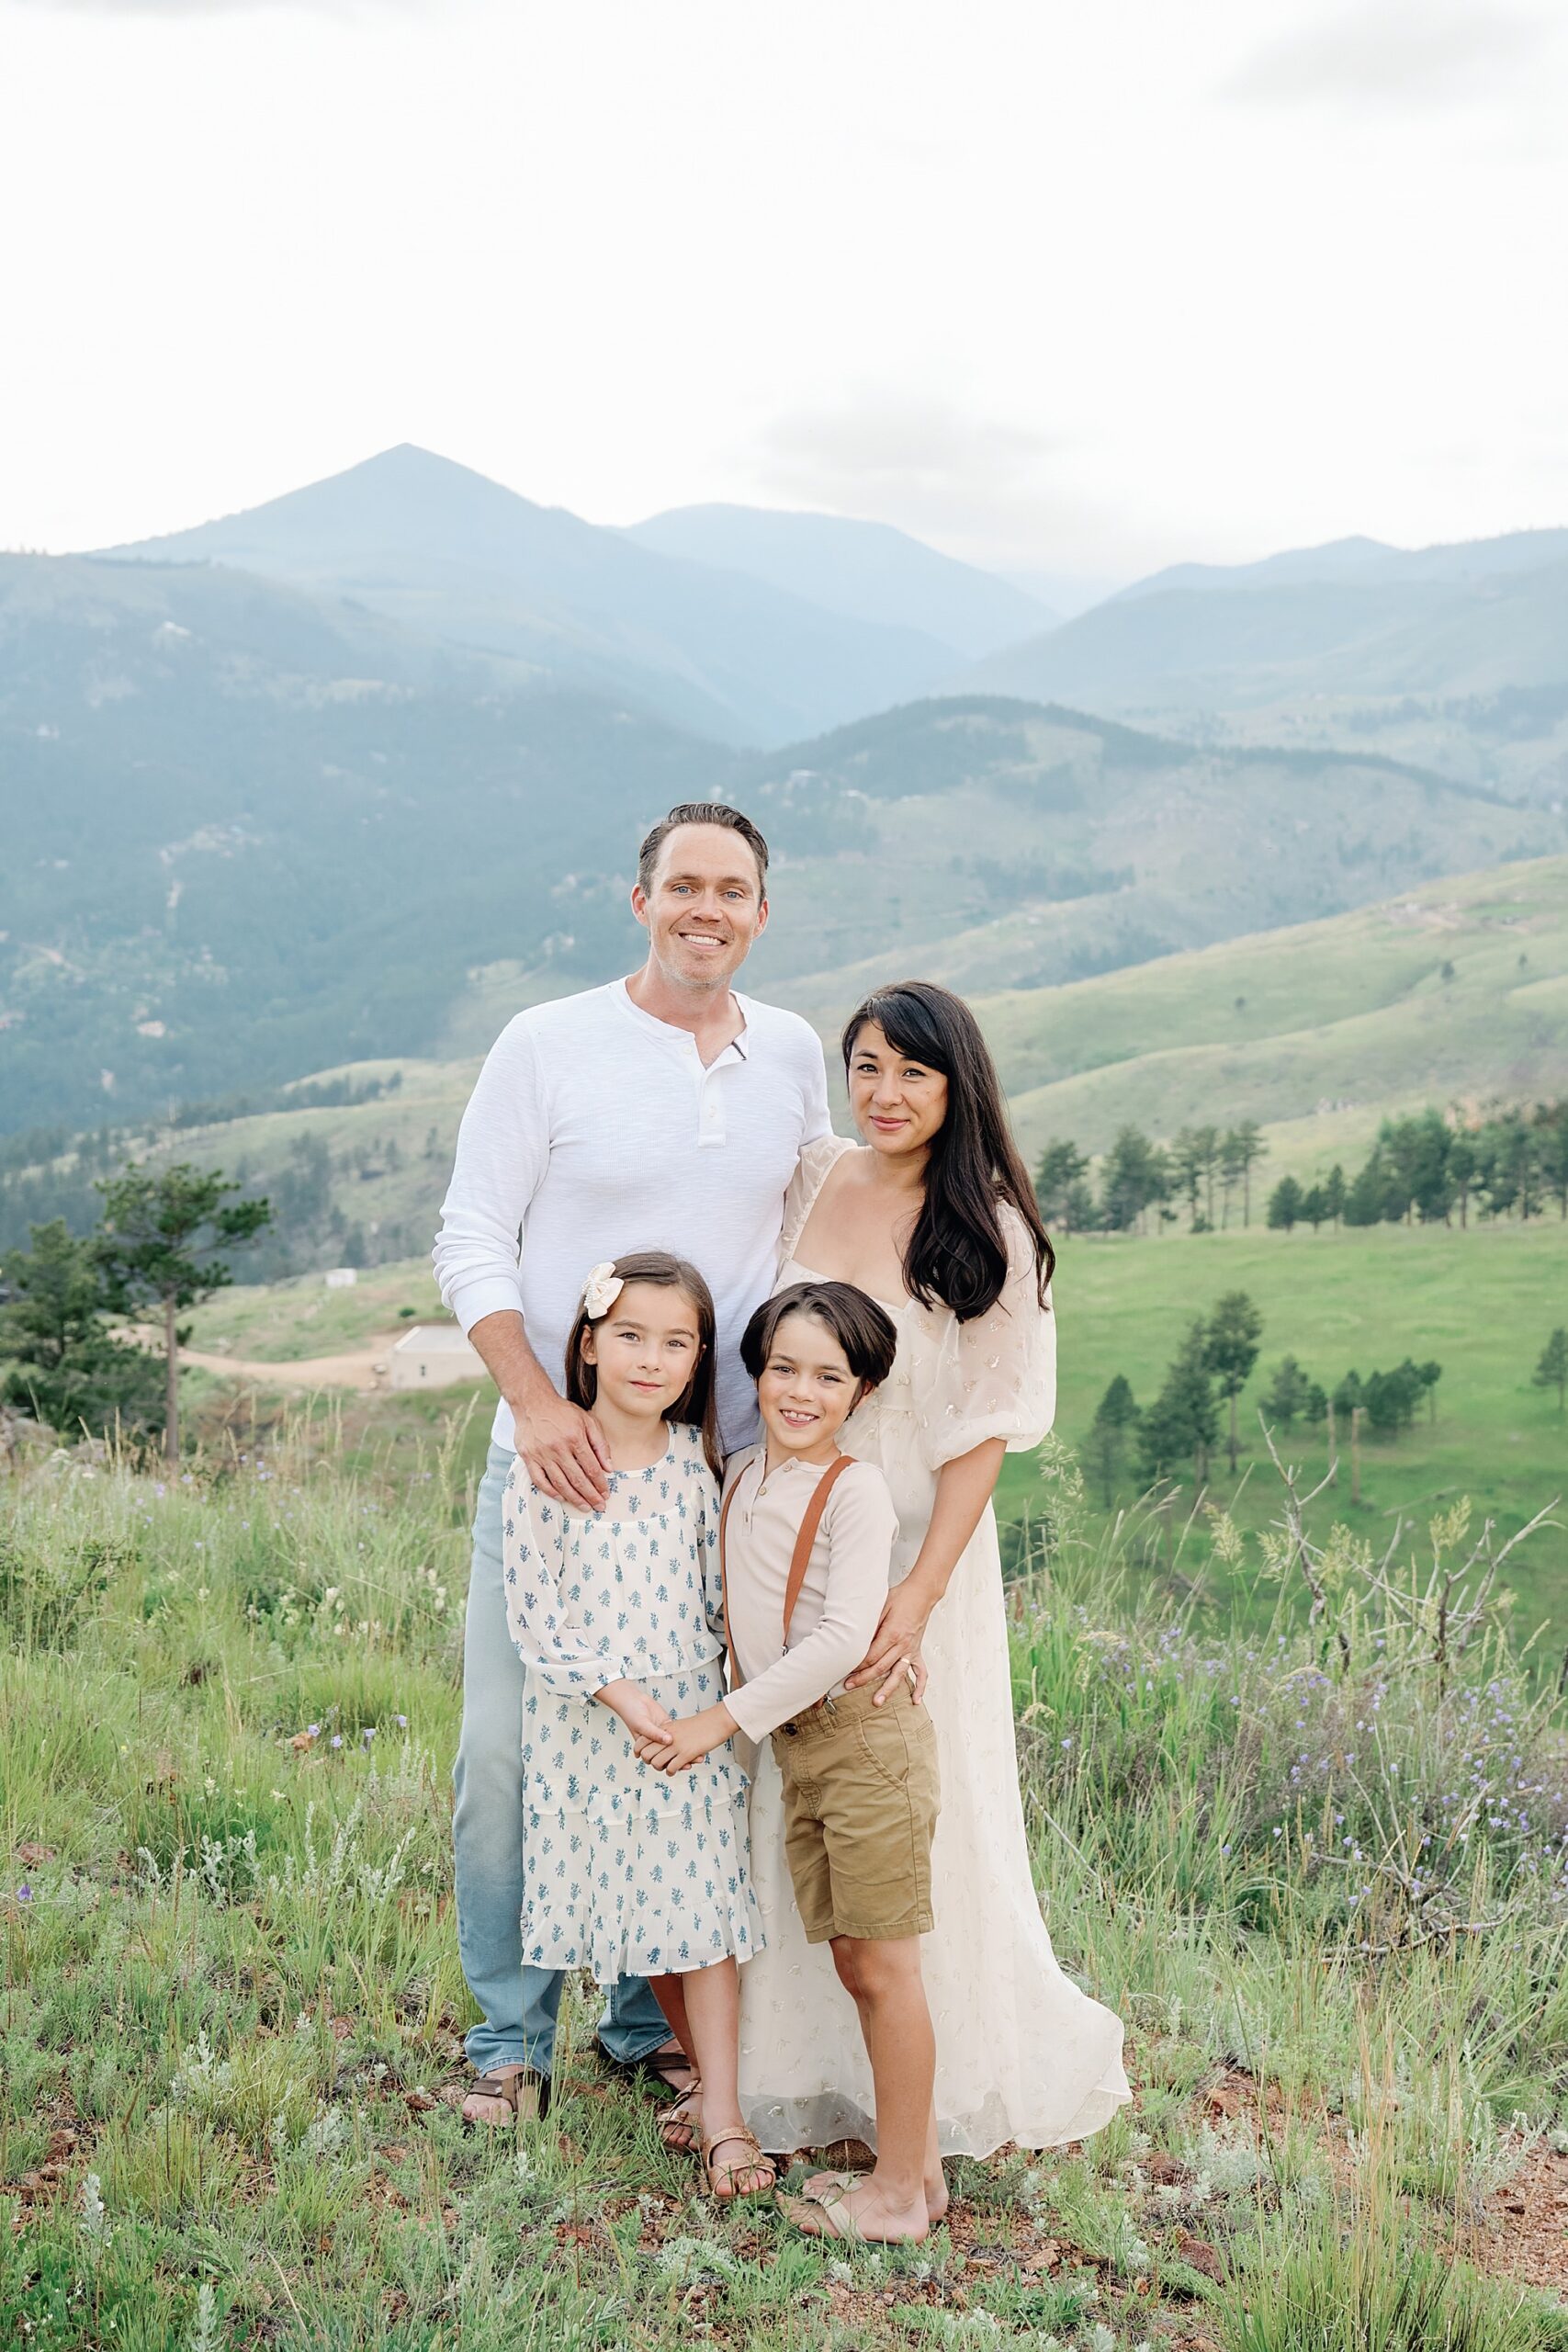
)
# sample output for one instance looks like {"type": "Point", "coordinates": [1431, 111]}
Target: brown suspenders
{"type": "Point", "coordinates": [800, 1558]}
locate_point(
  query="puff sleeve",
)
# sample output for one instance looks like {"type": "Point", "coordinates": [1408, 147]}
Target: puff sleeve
{"type": "Point", "coordinates": [995, 1376]}
{"type": "Point", "coordinates": [811, 1174]}
{"type": "Point", "coordinates": [567, 1658]}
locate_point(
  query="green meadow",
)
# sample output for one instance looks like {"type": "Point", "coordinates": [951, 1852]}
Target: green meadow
{"type": "Point", "coordinates": [1482, 1302]}
{"type": "Point", "coordinates": [1318, 1871]}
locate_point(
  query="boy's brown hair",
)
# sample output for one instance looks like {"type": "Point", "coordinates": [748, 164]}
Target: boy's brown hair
{"type": "Point", "coordinates": [865, 1331]}
{"type": "Point", "coordinates": [699, 1401]}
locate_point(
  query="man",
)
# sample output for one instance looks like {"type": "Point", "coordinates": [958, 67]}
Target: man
{"type": "Point", "coordinates": [662, 1112]}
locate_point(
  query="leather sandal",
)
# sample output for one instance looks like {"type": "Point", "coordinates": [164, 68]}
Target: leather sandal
{"type": "Point", "coordinates": [678, 2131]}
{"type": "Point", "coordinates": [754, 2161]}
{"type": "Point", "coordinates": [521, 2090]}
{"type": "Point", "coordinates": [654, 2066]}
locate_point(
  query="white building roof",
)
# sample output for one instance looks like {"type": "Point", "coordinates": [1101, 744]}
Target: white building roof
{"type": "Point", "coordinates": [434, 1339]}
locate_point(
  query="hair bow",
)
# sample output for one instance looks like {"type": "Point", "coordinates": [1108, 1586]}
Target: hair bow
{"type": "Point", "coordinates": [602, 1289]}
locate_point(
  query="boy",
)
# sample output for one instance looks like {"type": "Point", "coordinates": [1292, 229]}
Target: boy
{"type": "Point", "coordinates": [805, 1543]}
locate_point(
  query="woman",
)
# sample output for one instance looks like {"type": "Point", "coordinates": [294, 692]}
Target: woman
{"type": "Point", "coordinates": [934, 1215]}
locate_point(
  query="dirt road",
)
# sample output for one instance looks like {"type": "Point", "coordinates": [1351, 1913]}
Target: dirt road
{"type": "Point", "coordinates": [355, 1370]}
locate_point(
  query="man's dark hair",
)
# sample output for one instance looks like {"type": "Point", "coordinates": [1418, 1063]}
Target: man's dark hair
{"type": "Point", "coordinates": [703, 813]}
{"type": "Point", "coordinates": [865, 1331]}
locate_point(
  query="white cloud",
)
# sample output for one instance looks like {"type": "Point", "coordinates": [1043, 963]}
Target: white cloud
{"type": "Point", "coordinates": [1404, 52]}
{"type": "Point", "coordinates": [986, 486]}
{"type": "Point", "coordinates": [1018, 280]}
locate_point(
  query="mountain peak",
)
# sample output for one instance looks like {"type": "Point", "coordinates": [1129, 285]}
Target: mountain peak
{"type": "Point", "coordinates": [406, 499]}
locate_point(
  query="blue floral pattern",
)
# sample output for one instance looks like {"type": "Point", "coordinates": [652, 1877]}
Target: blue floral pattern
{"type": "Point", "coordinates": [626, 1871]}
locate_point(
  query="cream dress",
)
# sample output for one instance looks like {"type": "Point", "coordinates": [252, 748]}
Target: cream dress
{"type": "Point", "coordinates": [1021, 2054]}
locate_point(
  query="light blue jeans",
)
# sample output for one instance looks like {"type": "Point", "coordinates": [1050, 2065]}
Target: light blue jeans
{"type": "Point", "coordinates": [520, 2003]}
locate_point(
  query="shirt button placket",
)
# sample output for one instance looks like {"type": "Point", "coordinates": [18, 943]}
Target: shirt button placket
{"type": "Point", "coordinates": [710, 1108]}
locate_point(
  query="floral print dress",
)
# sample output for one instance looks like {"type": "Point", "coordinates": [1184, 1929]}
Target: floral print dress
{"type": "Point", "coordinates": [626, 1871]}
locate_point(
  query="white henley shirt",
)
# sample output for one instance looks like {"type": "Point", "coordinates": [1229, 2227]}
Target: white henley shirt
{"type": "Point", "coordinates": [595, 1129]}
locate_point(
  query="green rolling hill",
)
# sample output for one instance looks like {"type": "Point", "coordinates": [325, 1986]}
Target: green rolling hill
{"type": "Point", "coordinates": [1315, 1031]}
{"type": "Point", "coordinates": [993, 844]}
{"type": "Point", "coordinates": [1456, 991]}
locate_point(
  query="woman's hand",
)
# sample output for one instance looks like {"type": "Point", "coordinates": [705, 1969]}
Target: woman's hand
{"type": "Point", "coordinates": [895, 1653]}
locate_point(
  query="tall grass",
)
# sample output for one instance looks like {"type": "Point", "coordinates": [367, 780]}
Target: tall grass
{"type": "Point", "coordinates": [1323, 1880]}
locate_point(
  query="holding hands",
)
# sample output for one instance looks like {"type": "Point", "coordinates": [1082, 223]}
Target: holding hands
{"type": "Point", "coordinates": [687, 1740]}
{"type": "Point", "coordinates": [643, 1716]}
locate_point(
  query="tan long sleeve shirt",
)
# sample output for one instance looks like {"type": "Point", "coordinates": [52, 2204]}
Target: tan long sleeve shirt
{"type": "Point", "coordinates": [840, 1600]}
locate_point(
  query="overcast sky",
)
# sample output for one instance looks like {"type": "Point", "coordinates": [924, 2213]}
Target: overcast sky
{"type": "Point", "coordinates": [1086, 286]}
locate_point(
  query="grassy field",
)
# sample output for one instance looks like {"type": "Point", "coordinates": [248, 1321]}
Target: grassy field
{"type": "Point", "coordinates": [1329, 1900]}
{"type": "Point", "coordinates": [1346, 1019]}
{"type": "Point", "coordinates": [1482, 1303]}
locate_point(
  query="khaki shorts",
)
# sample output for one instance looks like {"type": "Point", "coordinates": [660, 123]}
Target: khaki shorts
{"type": "Point", "coordinates": [861, 1795]}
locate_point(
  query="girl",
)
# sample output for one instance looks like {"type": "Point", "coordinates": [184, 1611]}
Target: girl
{"type": "Point", "coordinates": [625, 1871]}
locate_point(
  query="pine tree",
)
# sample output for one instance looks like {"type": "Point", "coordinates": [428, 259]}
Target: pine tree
{"type": "Point", "coordinates": [158, 1247]}
{"type": "Point", "coordinates": [1552, 1372]}
{"type": "Point", "coordinates": [1289, 1393]}
{"type": "Point", "coordinates": [1183, 1421]}
{"type": "Point", "coordinates": [1115, 1417]}
{"type": "Point", "coordinates": [1058, 1171]}
{"type": "Point", "coordinates": [1285, 1205]}
{"type": "Point", "coordinates": [1231, 1346]}
{"type": "Point", "coordinates": [1251, 1146]}
{"type": "Point", "coordinates": [62, 1364]}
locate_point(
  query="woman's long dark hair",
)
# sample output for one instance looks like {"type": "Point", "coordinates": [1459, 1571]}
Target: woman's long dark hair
{"type": "Point", "coordinates": [699, 1402]}
{"type": "Point", "coordinates": [957, 1253]}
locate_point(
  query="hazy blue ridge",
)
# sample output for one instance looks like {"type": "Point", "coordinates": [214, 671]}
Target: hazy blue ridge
{"type": "Point", "coordinates": [868, 572]}
{"type": "Point", "coordinates": [446, 551]}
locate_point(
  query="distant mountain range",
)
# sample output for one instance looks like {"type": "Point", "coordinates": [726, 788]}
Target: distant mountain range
{"type": "Point", "coordinates": [1455, 657]}
{"type": "Point", "coordinates": [355, 772]}
{"type": "Point", "coordinates": [253, 832]}
{"type": "Point", "coordinates": [739, 650]}
{"type": "Point", "coordinates": [866, 571]}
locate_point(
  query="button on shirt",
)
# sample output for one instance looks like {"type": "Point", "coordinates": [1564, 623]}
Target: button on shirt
{"type": "Point", "coordinates": [595, 1129]}
{"type": "Point", "coordinates": [840, 1600]}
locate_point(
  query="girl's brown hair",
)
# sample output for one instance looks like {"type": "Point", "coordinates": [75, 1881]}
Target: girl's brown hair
{"type": "Point", "coordinates": [698, 1403]}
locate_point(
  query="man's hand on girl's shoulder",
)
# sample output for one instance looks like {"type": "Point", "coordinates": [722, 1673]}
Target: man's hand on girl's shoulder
{"type": "Point", "coordinates": [563, 1449]}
